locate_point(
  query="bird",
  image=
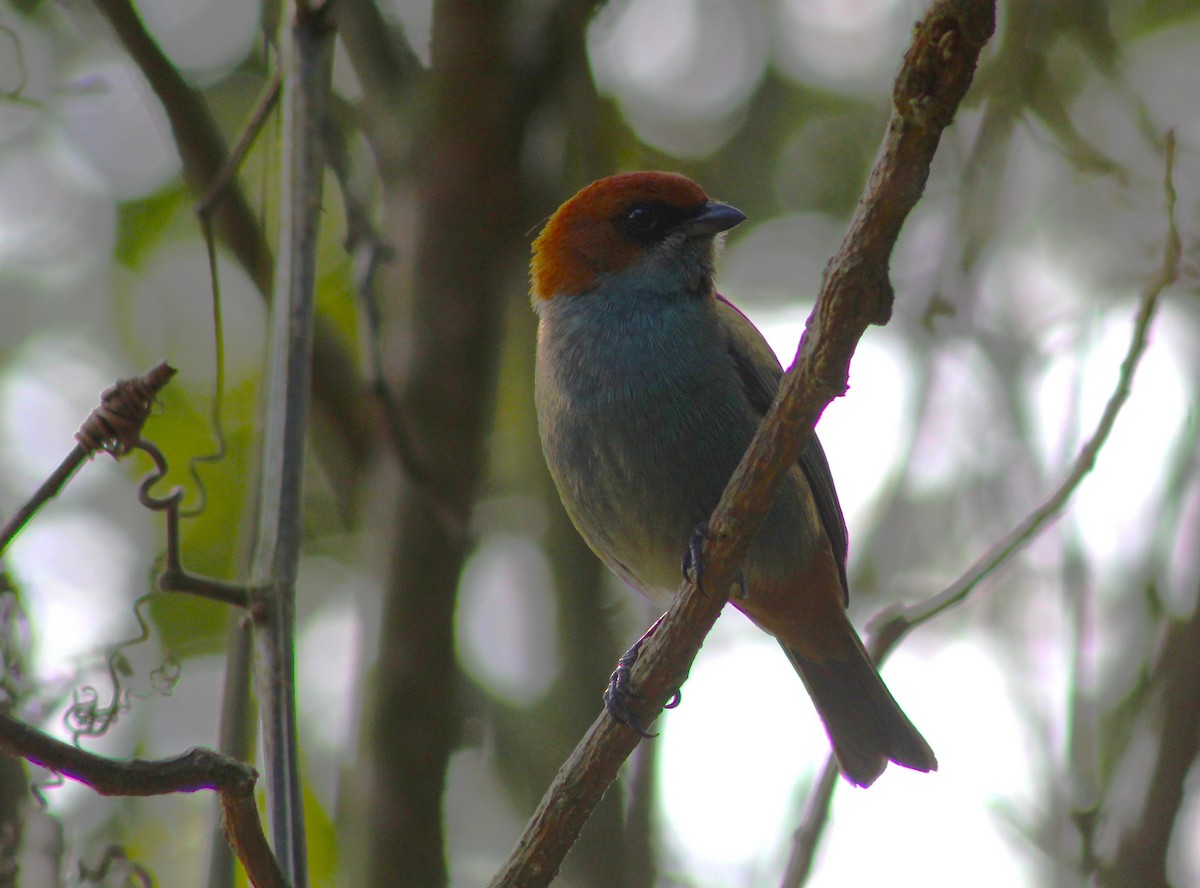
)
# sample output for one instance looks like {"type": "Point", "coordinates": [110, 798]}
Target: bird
{"type": "Point", "coordinates": [649, 387]}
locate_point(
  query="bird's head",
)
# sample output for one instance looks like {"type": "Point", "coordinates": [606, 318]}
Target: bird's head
{"type": "Point", "coordinates": [654, 230]}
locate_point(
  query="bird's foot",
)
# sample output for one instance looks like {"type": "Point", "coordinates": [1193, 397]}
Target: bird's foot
{"type": "Point", "coordinates": [618, 693]}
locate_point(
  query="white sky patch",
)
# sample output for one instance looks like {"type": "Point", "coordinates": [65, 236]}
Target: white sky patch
{"type": "Point", "coordinates": [734, 753]}
{"type": "Point", "coordinates": [840, 42]}
{"type": "Point", "coordinates": [118, 125]}
{"type": "Point", "coordinates": [959, 434]}
{"type": "Point", "coordinates": [506, 619]}
{"type": "Point", "coordinates": [692, 59]}
{"type": "Point", "coordinates": [47, 393]}
{"type": "Point", "coordinates": [206, 37]}
{"type": "Point", "coordinates": [327, 666]}
{"type": "Point", "coordinates": [75, 572]}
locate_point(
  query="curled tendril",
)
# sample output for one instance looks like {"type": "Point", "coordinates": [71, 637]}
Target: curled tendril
{"type": "Point", "coordinates": [86, 717]}
{"type": "Point", "coordinates": [173, 497]}
{"type": "Point", "coordinates": [116, 859]}
{"type": "Point", "coordinates": [115, 426]}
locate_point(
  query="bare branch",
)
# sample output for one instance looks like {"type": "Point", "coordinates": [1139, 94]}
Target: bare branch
{"type": "Point", "coordinates": [808, 834]}
{"type": "Point", "coordinates": [194, 770]}
{"type": "Point", "coordinates": [226, 178]}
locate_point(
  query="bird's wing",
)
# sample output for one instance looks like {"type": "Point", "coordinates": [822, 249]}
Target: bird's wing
{"type": "Point", "coordinates": [760, 373]}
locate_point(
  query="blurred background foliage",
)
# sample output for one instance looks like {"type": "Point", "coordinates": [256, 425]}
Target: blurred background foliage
{"type": "Point", "coordinates": [454, 631]}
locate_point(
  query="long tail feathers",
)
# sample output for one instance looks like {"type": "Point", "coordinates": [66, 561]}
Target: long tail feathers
{"type": "Point", "coordinates": [865, 724]}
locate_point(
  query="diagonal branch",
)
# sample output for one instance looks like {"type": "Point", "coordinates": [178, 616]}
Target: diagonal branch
{"type": "Point", "coordinates": [855, 293]}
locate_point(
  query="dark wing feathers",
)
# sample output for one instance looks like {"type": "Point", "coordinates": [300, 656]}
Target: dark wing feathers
{"type": "Point", "coordinates": [760, 374]}
{"type": "Point", "coordinates": [815, 467]}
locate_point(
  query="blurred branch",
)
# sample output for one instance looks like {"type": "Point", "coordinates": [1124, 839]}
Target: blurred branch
{"type": "Point", "coordinates": [307, 59]}
{"type": "Point", "coordinates": [227, 177]}
{"type": "Point", "coordinates": [205, 158]}
{"type": "Point", "coordinates": [855, 293]}
{"type": "Point", "coordinates": [808, 834]}
{"type": "Point", "coordinates": [198, 137]}
{"type": "Point", "coordinates": [890, 627]}
{"type": "Point", "coordinates": [114, 427]}
{"type": "Point", "coordinates": [14, 783]}
{"type": "Point", "coordinates": [1141, 858]}
{"type": "Point", "coordinates": [194, 770]}
{"type": "Point", "coordinates": [368, 252]}
{"type": "Point", "coordinates": [237, 734]}
{"type": "Point", "coordinates": [387, 69]}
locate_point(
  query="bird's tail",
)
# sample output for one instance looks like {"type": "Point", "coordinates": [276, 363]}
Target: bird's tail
{"type": "Point", "coordinates": [865, 724]}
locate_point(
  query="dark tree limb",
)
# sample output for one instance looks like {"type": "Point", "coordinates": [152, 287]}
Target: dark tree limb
{"type": "Point", "coordinates": [855, 293]}
{"type": "Point", "coordinates": [192, 771]}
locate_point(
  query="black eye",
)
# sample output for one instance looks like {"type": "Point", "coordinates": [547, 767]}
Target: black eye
{"type": "Point", "coordinates": [641, 222]}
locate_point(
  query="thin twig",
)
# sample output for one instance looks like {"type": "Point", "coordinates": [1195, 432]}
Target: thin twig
{"type": "Point", "coordinates": [855, 292]}
{"type": "Point", "coordinates": [808, 834]}
{"type": "Point", "coordinates": [194, 770]}
{"type": "Point", "coordinates": [114, 427]}
{"type": "Point", "coordinates": [218, 188]}
{"type": "Point", "coordinates": [892, 625]}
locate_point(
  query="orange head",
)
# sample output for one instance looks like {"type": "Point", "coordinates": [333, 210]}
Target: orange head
{"type": "Point", "coordinates": [662, 224]}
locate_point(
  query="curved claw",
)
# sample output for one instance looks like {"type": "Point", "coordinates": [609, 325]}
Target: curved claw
{"type": "Point", "coordinates": [618, 693]}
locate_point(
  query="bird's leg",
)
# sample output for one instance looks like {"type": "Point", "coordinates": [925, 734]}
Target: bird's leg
{"type": "Point", "coordinates": [693, 563]}
{"type": "Point", "coordinates": [618, 692]}
{"type": "Point", "coordinates": [693, 558]}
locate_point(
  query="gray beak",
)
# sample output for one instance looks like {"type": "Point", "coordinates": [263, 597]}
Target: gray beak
{"type": "Point", "coordinates": [713, 219]}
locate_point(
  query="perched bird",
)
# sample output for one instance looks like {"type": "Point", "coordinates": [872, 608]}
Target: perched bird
{"type": "Point", "coordinates": [649, 388]}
